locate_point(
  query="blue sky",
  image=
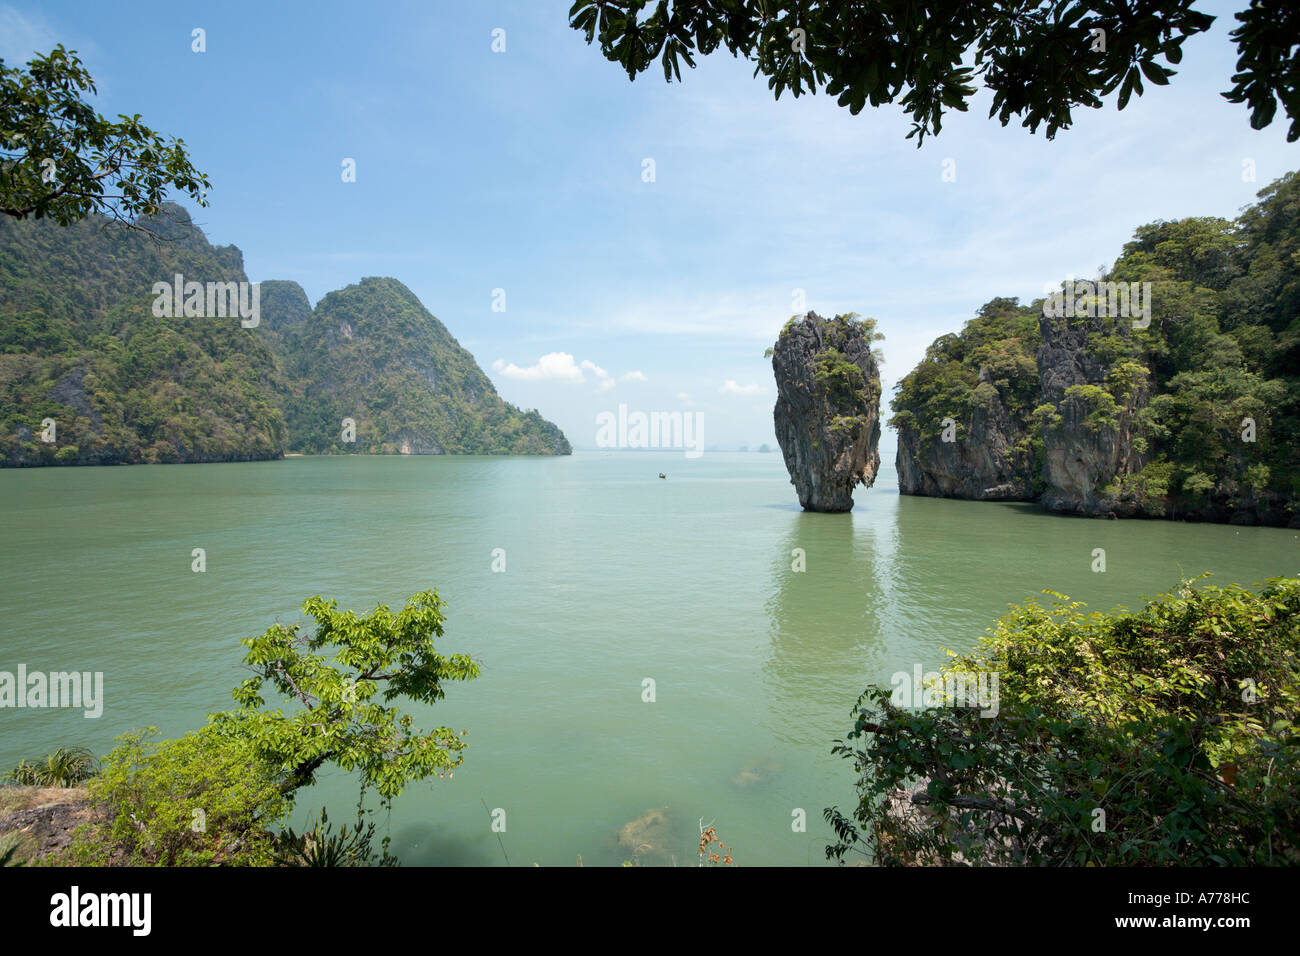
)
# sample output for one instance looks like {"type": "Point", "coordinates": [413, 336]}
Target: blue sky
{"type": "Point", "coordinates": [522, 171]}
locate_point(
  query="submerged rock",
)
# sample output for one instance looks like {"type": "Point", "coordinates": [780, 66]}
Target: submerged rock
{"type": "Point", "coordinates": [649, 835]}
{"type": "Point", "coordinates": [755, 773]}
{"type": "Point", "coordinates": [828, 408]}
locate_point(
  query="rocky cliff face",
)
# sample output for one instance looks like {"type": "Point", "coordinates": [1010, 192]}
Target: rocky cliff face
{"type": "Point", "coordinates": [1081, 460]}
{"type": "Point", "coordinates": [1064, 455]}
{"type": "Point", "coordinates": [827, 409]}
{"type": "Point", "coordinates": [980, 462]}
{"type": "Point", "coordinates": [86, 343]}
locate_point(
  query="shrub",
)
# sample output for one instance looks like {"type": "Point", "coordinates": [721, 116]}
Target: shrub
{"type": "Point", "coordinates": [198, 800]}
{"type": "Point", "coordinates": [1160, 737]}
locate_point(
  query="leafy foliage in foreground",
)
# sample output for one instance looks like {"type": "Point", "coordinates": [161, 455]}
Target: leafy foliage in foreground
{"type": "Point", "coordinates": [215, 795]}
{"type": "Point", "coordinates": [200, 800]}
{"type": "Point", "coordinates": [322, 845]}
{"type": "Point", "coordinates": [62, 160]}
{"type": "Point", "coordinates": [1039, 59]}
{"type": "Point", "coordinates": [1162, 737]}
{"type": "Point", "coordinates": [342, 713]}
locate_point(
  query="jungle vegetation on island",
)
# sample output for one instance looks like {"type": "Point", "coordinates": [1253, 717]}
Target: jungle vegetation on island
{"type": "Point", "coordinates": [1203, 403]}
{"type": "Point", "coordinates": [81, 346]}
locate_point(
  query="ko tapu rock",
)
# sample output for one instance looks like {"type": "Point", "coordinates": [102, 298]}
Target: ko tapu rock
{"type": "Point", "coordinates": [828, 407]}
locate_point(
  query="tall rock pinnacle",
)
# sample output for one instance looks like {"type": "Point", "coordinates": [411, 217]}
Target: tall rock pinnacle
{"type": "Point", "coordinates": [828, 407]}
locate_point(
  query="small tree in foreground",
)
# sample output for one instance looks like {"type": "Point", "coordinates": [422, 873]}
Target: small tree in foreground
{"type": "Point", "coordinates": [213, 795]}
{"type": "Point", "coordinates": [342, 714]}
{"type": "Point", "coordinates": [199, 800]}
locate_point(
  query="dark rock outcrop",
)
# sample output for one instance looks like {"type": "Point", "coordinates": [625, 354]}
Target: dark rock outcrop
{"type": "Point", "coordinates": [827, 408]}
{"type": "Point", "coordinates": [1080, 461]}
{"type": "Point", "coordinates": [984, 465]}
{"type": "Point", "coordinates": [46, 826]}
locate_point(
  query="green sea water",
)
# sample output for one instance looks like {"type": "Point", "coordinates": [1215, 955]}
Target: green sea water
{"type": "Point", "coordinates": [612, 577]}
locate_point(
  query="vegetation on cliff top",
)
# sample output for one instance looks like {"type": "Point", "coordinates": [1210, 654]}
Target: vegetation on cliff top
{"type": "Point", "coordinates": [1003, 338]}
{"type": "Point", "coordinates": [1222, 347]}
{"type": "Point", "coordinates": [842, 380]}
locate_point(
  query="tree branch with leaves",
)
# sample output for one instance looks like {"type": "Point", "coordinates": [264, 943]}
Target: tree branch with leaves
{"type": "Point", "coordinates": [1039, 58]}
{"type": "Point", "coordinates": [61, 159]}
{"type": "Point", "coordinates": [342, 715]}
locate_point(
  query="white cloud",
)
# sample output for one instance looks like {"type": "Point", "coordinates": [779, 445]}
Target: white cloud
{"type": "Point", "coordinates": [603, 378]}
{"type": "Point", "coordinates": [561, 367]}
{"type": "Point", "coordinates": [551, 367]}
{"type": "Point", "coordinates": [729, 387]}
